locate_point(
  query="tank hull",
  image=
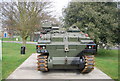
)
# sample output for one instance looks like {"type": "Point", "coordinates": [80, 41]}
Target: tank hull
{"type": "Point", "coordinates": [66, 51]}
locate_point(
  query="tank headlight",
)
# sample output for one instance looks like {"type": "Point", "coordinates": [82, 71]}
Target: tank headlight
{"type": "Point", "coordinates": [90, 47]}
{"type": "Point", "coordinates": [43, 47]}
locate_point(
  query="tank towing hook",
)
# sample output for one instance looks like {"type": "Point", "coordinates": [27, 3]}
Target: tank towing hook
{"type": "Point", "coordinates": [66, 60]}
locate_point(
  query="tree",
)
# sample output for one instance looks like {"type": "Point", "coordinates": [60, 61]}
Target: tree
{"type": "Point", "coordinates": [100, 19]}
{"type": "Point", "coordinates": [24, 17]}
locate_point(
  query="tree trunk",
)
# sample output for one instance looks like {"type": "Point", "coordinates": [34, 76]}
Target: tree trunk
{"type": "Point", "coordinates": [23, 42]}
{"type": "Point", "coordinates": [32, 37]}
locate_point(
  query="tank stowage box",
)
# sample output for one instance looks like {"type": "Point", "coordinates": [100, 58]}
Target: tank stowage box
{"type": "Point", "coordinates": [73, 51]}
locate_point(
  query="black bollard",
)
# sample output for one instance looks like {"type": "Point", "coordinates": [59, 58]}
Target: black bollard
{"type": "Point", "coordinates": [22, 49]}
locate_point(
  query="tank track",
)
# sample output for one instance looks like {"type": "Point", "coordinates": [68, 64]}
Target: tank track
{"type": "Point", "coordinates": [42, 63]}
{"type": "Point", "coordinates": [89, 63]}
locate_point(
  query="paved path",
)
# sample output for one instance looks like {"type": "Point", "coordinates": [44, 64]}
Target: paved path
{"type": "Point", "coordinates": [27, 70]}
{"type": "Point", "coordinates": [20, 42]}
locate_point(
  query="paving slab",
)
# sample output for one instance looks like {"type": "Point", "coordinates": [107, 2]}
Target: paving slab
{"type": "Point", "coordinates": [27, 70]}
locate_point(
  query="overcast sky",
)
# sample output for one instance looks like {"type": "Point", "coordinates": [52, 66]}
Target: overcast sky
{"type": "Point", "coordinates": [58, 5]}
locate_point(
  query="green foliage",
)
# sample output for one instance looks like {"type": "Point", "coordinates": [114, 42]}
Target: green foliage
{"type": "Point", "coordinates": [99, 18]}
{"type": "Point", "coordinates": [12, 57]}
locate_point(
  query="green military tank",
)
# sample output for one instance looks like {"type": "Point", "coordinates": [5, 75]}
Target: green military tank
{"type": "Point", "coordinates": [70, 50]}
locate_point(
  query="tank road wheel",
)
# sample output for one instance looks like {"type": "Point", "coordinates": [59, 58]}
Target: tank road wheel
{"type": "Point", "coordinates": [89, 63]}
{"type": "Point", "coordinates": [42, 63]}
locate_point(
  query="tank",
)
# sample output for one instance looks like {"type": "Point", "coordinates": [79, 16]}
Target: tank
{"type": "Point", "coordinates": [69, 50]}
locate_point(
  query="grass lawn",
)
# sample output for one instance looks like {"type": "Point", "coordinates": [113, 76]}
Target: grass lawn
{"type": "Point", "coordinates": [107, 61]}
{"type": "Point", "coordinates": [12, 57]}
{"type": "Point", "coordinates": [0, 69]}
